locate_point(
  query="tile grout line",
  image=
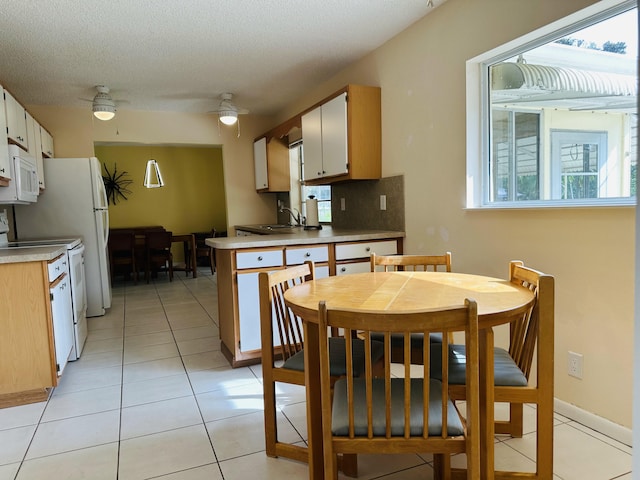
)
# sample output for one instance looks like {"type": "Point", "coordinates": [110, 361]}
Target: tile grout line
{"type": "Point", "coordinates": [195, 398]}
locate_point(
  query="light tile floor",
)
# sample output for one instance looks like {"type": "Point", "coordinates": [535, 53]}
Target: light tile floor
{"type": "Point", "coordinates": [153, 397]}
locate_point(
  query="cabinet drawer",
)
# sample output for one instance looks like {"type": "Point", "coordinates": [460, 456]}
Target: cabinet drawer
{"type": "Point", "coordinates": [347, 251]}
{"type": "Point", "coordinates": [298, 255]}
{"type": "Point", "coordinates": [348, 268]}
{"type": "Point", "coordinates": [57, 267]}
{"type": "Point", "coordinates": [259, 259]}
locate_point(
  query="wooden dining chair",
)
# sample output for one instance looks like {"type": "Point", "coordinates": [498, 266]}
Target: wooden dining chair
{"type": "Point", "coordinates": [410, 413]}
{"type": "Point", "coordinates": [121, 246]}
{"type": "Point", "coordinates": [425, 263]}
{"type": "Point", "coordinates": [204, 251]}
{"type": "Point", "coordinates": [158, 252]}
{"type": "Point", "coordinates": [512, 366]}
{"type": "Point", "coordinates": [412, 262]}
{"type": "Point", "coordinates": [283, 353]}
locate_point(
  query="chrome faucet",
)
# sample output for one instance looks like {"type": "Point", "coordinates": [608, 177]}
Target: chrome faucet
{"type": "Point", "coordinates": [295, 214]}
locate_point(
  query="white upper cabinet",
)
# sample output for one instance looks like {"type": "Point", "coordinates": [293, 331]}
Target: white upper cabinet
{"type": "Point", "coordinates": [16, 121]}
{"type": "Point", "coordinates": [47, 143]}
{"type": "Point", "coordinates": [260, 161]}
{"type": "Point", "coordinates": [334, 137]}
{"type": "Point", "coordinates": [324, 134]}
{"type": "Point", "coordinates": [5, 169]}
{"type": "Point", "coordinates": [35, 147]}
{"type": "Point", "coordinates": [342, 137]}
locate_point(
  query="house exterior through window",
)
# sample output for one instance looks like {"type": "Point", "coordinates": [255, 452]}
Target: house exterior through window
{"type": "Point", "coordinates": [559, 115]}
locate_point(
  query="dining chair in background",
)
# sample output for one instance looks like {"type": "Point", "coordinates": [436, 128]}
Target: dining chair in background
{"type": "Point", "coordinates": [158, 252]}
{"type": "Point", "coordinates": [121, 246]}
{"type": "Point", "coordinates": [283, 346]}
{"type": "Point", "coordinates": [204, 251]}
{"type": "Point", "coordinates": [410, 413]}
{"type": "Point", "coordinates": [512, 366]}
{"type": "Point", "coordinates": [425, 263]}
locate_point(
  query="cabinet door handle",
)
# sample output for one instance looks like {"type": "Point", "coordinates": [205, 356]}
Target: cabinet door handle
{"type": "Point", "coordinates": [308, 254]}
{"type": "Point", "coordinates": [368, 249]}
{"type": "Point", "coordinates": [260, 258]}
{"type": "Point", "coordinates": [343, 269]}
{"type": "Point", "coordinates": [2, 170]}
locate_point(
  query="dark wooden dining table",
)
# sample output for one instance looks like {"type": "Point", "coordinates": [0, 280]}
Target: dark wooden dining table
{"type": "Point", "coordinates": [499, 302]}
{"type": "Point", "coordinates": [189, 242]}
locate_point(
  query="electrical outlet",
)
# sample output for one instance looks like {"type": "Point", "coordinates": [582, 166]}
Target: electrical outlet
{"type": "Point", "coordinates": [574, 366]}
{"type": "Point", "coordinates": [343, 205]}
{"type": "Point", "coordinates": [383, 202]}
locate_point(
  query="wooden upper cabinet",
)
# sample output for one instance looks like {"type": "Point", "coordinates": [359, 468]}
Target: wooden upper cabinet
{"type": "Point", "coordinates": [341, 137]}
{"type": "Point", "coordinates": [271, 159]}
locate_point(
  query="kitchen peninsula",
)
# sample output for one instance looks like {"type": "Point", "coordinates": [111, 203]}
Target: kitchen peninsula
{"type": "Point", "coordinates": [240, 259]}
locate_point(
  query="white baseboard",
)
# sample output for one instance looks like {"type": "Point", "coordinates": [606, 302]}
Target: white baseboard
{"type": "Point", "coordinates": [599, 424]}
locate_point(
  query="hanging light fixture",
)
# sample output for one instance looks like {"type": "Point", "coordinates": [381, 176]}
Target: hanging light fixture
{"type": "Point", "coordinates": [104, 108]}
{"type": "Point", "coordinates": [152, 175]}
{"type": "Point", "coordinates": [228, 117]}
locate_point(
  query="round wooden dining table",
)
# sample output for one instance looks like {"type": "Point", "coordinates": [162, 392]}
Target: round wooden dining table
{"type": "Point", "coordinates": [499, 302]}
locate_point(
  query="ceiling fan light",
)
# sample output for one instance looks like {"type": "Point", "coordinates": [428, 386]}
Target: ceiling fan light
{"type": "Point", "coordinates": [228, 117]}
{"type": "Point", "coordinates": [103, 106]}
{"type": "Point", "coordinates": [103, 114]}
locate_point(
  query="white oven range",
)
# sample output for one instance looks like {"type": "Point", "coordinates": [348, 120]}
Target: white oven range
{"type": "Point", "coordinates": [75, 258]}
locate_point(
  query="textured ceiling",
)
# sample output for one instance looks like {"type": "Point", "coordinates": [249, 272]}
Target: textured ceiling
{"type": "Point", "coordinates": [180, 55]}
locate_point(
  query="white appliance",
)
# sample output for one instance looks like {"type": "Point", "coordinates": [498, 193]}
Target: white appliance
{"type": "Point", "coordinates": [23, 187]}
{"type": "Point", "coordinates": [74, 204]}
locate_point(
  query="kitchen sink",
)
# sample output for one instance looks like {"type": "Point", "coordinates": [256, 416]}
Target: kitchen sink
{"type": "Point", "coordinates": [278, 227]}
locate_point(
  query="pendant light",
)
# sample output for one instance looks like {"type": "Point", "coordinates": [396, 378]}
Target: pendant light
{"type": "Point", "coordinates": [152, 175]}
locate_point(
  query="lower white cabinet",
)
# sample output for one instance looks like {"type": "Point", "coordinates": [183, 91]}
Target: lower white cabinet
{"type": "Point", "coordinates": [238, 295]}
{"type": "Point", "coordinates": [61, 309]}
{"type": "Point", "coordinates": [355, 267]}
{"type": "Point", "coordinates": [249, 264]}
{"type": "Point", "coordinates": [248, 311]}
{"type": "Point", "coordinates": [354, 257]}
{"type": "Point", "coordinates": [62, 316]}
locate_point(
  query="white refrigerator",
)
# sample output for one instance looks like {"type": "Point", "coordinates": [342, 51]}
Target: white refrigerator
{"type": "Point", "coordinates": [74, 203]}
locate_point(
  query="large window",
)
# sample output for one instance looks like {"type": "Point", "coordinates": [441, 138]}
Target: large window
{"type": "Point", "coordinates": [558, 114]}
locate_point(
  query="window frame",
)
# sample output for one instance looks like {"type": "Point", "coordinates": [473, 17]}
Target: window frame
{"type": "Point", "coordinates": [478, 108]}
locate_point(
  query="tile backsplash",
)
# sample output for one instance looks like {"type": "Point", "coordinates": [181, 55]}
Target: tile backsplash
{"type": "Point", "coordinates": [362, 204]}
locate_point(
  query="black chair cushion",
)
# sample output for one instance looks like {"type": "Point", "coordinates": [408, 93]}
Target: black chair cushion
{"type": "Point", "coordinates": [506, 372]}
{"type": "Point", "coordinates": [338, 356]}
{"type": "Point", "coordinates": [416, 339]}
{"type": "Point", "coordinates": [340, 416]}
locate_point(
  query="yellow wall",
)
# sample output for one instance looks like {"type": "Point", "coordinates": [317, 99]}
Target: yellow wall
{"type": "Point", "coordinates": [422, 74]}
{"type": "Point", "coordinates": [192, 200]}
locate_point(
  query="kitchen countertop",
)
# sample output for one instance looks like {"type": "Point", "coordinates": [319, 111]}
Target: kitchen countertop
{"type": "Point", "coordinates": [35, 254]}
{"type": "Point", "coordinates": [299, 237]}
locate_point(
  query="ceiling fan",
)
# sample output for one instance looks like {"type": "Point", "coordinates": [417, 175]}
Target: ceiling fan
{"type": "Point", "coordinates": [227, 111]}
{"type": "Point", "coordinates": [102, 104]}
{"type": "Point", "coordinates": [104, 108]}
